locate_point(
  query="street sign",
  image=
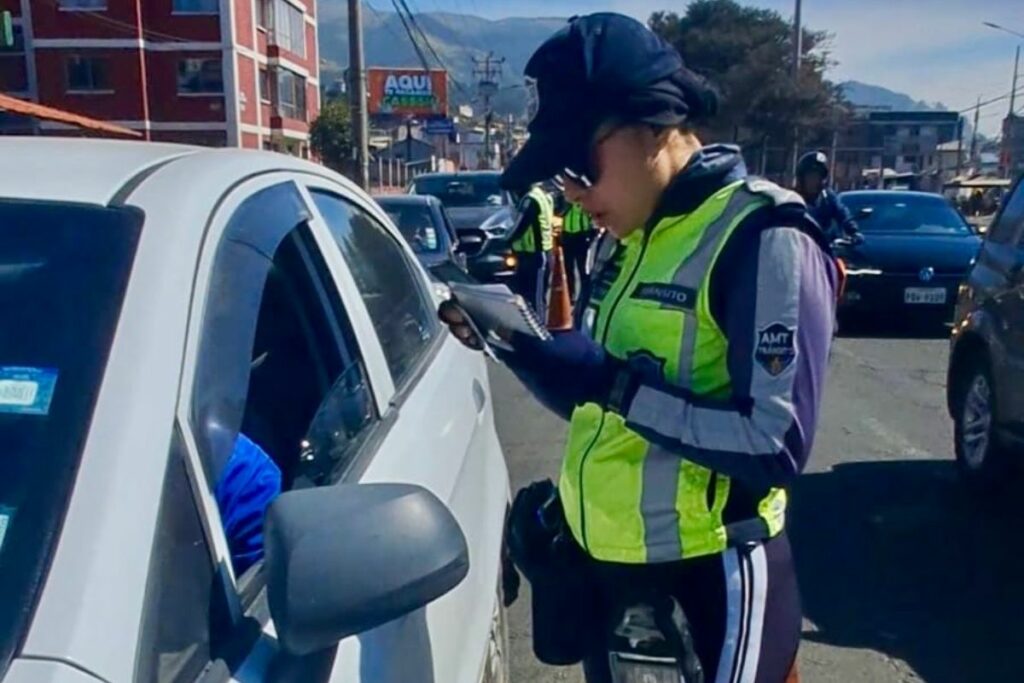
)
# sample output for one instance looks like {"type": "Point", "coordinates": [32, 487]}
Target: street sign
{"type": "Point", "coordinates": [439, 126]}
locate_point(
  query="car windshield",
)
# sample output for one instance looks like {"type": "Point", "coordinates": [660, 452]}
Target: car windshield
{"type": "Point", "coordinates": [416, 223]}
{"type": "Point", "coordinates": [63, 272]}
{"type": "Point", "coordinates": [895, 212]}
{"type": "Point", "coordinates": [462, 191]}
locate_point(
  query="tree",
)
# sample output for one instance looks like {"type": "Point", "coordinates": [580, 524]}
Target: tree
{"type": "Point", "coordinates": [747, 53]}
{"type": "Point", "coordinates": [330, 136]}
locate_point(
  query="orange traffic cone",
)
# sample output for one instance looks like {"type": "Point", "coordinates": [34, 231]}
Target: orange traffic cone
{"type": "Point", "coordinates": [559, 303]}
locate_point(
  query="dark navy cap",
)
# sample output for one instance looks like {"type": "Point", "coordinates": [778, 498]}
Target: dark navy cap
{"type": "Point", "coordinates": [600, 67]}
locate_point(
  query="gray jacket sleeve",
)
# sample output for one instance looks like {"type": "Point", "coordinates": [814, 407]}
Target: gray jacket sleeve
{"type": "Point", "coordinates": [778, 319]}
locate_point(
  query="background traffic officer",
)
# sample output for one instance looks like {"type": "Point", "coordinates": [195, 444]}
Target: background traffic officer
{"type": "Point", "coordinates": [532, 240]}
{"type": "Point", "coordinates": [577, 234]}
{"type": "Point", "coordinates": [824, 204]}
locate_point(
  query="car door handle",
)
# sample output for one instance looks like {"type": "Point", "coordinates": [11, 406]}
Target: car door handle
{"type": "Point", "coordinates": [479, 396]}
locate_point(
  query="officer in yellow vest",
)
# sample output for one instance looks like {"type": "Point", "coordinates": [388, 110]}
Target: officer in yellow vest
{"type": "Point", "coordinates": [577, 234]}
{"type": "Point", "coordinates": [532, 240]}
{"type": "Point", "coordinates": [693, 382]}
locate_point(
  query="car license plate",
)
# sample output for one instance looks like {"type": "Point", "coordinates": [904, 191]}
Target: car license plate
{"type": "Point", "coordinates": [924, 295]}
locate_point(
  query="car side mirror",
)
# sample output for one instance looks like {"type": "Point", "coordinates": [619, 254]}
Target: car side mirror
{"type": "Point", "coordinates": [344, 559]}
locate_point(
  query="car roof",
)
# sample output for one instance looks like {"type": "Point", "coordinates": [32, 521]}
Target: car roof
{"type": "Point", "coordinates": [460, 174]}
{"type": "Point", "coordinates": [78, 169]}
{"type": "Point", "coordinates": [882, 194]}
{"type": "Point", "coordinates": [407, 199]}
{"type": "Point", "coordinates": [98, 171]}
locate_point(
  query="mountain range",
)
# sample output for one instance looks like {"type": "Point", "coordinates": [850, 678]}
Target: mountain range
{"type": "Point", "coordinates": [458, 39]}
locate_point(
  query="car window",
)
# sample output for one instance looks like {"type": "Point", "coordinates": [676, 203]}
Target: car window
{"type": "Point", "coordinates": [416, 223]}
{"type": "Point", "coordinates": [1009, 227]}
{"type": "Point", "coordinates": [64, 269]}
{"type": "Point", "coordinates": [462, 190]}
{"type": "Point", "coordinates": [282, 397]}
{"type": "Point", "coordinates": [395, 292]}
{"type": "Point", "coordinates": [452, 234]}
{"type": "Point", "coordinates": [186, 618]}
{"type": "Point", "coordinates": [906, 213]}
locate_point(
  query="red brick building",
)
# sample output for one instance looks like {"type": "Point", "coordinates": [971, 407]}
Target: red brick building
{"type": "Point", "coordinates": [213, 72]}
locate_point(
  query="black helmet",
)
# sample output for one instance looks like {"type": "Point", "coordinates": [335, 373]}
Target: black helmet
{"type": "Point", "coordinates": [813, 161]}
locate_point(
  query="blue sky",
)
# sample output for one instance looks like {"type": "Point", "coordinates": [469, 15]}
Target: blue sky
{"type": "Point", "coordinates": [934, 50]}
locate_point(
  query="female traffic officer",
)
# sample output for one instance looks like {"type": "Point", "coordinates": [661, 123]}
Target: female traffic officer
{"type": "Point", "coordinates": [693, 381]}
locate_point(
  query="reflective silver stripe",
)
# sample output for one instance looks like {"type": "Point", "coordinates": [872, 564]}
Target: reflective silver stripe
{"type": "Point", "coordinates": [687, 349]}
{"type": "Point", "coordinates": [694, 269]}
{"type": "Point", "coordinates": [772, 414]}
{"type": "Point", "coordinates": [733, 612]}
{"type": "Point", "coordinates": [751, 657]}
{"type": "Point", "coordinates": [658, 505]}
{"type": "Point", "coordinates": [661, 468]}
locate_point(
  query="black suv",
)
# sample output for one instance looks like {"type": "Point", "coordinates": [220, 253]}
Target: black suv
{"type": "Point", "coordinates": [985, 385]}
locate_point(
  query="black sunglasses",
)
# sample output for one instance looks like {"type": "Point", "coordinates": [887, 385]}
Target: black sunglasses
{"type": "Point", "coordinates": [585, 171]}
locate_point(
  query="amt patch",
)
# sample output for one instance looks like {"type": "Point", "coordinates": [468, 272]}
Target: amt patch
{"type": "Point", "coordinates": [776, 348]}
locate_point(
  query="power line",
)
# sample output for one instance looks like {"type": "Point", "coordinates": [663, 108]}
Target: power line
{"type": "Point", "coordinates": [131, 28]}
{"type": "Point", "coordinates": [412, 37]}
{"type": "Point", "coordinates": [994, 100]}
{"type": "Point", "coordinates": [384, 21]}
{"type": "Point", "coordinates": [426, 40]}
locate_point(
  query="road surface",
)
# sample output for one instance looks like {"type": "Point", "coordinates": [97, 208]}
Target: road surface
{"type": "Point", "coordinates": [904, 576]}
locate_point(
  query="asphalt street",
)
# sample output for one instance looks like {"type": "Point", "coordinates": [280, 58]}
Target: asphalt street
{"type": "Point", "coordinates": [904, 575]}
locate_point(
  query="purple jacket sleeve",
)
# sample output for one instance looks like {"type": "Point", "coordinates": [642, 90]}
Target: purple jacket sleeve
{"type": "Point", "coordinates": [778, 312]}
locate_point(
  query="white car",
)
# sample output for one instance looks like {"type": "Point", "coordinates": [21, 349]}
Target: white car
{"type": "Point", "coordinates": [158, 302]}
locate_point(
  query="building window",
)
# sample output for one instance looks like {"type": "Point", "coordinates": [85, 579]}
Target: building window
{"type": "Point", "coordinates": [13, 71]}
{"type": "Point", "coordinates": [196, 6]}
{"type": "Point", "coordinates": [88, 74]}
{"type": "Point", "coordinates": [289, 28]}
{"type": "Point", "coordinates": [263, 9]}
{"type": "Point", "coordinates": [200, 77]}
{"type": "Point", "coordinates": [91, 5]}
{"type": "Point", "coordinates": [291, 95]}
{"type": "Point", "coordinates": [266, 87]}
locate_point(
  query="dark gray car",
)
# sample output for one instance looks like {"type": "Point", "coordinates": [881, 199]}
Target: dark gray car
{"type": "Point", "coordinates": [986, 367]}
{"type": "Point", "coordinates": [483, 216]}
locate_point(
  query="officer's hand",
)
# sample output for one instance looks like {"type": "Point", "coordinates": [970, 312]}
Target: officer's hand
{"type": "Point", "coordinates": [452, 315]}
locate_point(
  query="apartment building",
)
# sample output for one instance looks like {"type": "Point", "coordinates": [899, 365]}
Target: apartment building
{"type": "Point", "coordinates": [239, 73]}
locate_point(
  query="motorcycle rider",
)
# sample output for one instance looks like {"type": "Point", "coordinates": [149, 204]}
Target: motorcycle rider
{"type": "Point", "coordinates": [693, 383]}
{"type": "Point", "coordinates": [823, 203]}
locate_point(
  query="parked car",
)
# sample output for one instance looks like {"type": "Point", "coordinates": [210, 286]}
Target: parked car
{"type": "Point", "coordinates": [425, 225]}
{"type": "Point", "coordinates": [915, 251]}
{"type": "Point", "coordinates": [986, 364]}
{"type": "Point", "coordinates": [483, 216]}
{"type": "Point", "coordinates": [169, 300]}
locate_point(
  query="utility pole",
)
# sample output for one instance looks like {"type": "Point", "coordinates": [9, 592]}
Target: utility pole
{"type": "Point", "coordinates": [798, 55]}
{"type": "Point", "coordinates": [487, 71]}
{"type": "Point", "coordinates": [357, 93]}
{"type": "Point", "coordinates": [959, 147]}
{"type": "Point", "coordinates": [974, 133]}
{"type": "Point", "coordinates": [1011, 162]}
{"type": "Point", "coordinates": [1016, 73]}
